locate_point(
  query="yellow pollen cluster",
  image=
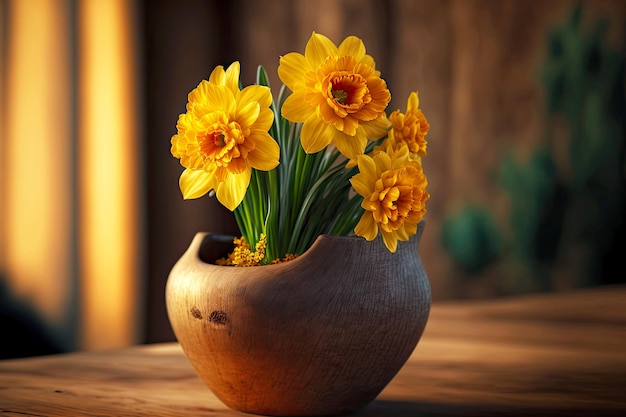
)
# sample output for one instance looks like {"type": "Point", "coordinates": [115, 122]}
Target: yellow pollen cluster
{"type": "Point", "coordinates": [243, 256]}
{"type": "Point", "coordinates": [288, 257]}
{"type": "Point", "coordinates": [340, 96]}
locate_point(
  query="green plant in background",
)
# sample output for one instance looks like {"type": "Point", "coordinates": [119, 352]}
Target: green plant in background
{"type": "Point", "coordinates": [471, 238]}
{"type": "Point", "coordinates": [566, 207]}
{"type": "Point", "coordinates": [583, 78]}
{"type": "Point", "coordinates": [538, 203]}
{"type": "Point", "coordinates": [574, 203]}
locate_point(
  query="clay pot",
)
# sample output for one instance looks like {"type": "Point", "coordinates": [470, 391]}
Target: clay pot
{"type": "Point", "coordinates": [319, 335]}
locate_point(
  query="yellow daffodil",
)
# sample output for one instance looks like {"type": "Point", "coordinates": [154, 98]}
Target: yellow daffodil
{"type": "Point", "coordinates": [394, 196]}
{"type": "Point", "coordinates": [337, 94]}
{"type": "Point", "coordinates": [410, 127]}
{"type": "Point", "coordinates": [223, 136]}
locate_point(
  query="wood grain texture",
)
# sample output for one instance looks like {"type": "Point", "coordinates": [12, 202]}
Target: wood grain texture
{"type": "Point", "coordinates": [320, 335]}
{"type": "Point", "coordinates": [540, 355]}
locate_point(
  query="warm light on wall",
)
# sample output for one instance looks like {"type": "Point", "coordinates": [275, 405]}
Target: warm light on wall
{"type": "Point", "coordinates": [36, 163]}
{"type": "Point", "coordinates": [108, 161]}
{"type": "Point", "coordinates": [70, 167]}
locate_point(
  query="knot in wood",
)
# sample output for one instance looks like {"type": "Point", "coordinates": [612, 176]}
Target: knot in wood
{"type": "Point", "coordinates": [195, 312]}
{"type": "Point", "coordinates": [218, 317]}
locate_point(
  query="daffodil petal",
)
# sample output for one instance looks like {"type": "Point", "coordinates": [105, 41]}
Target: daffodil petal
{"type": "Point", "coordinates": [409, 230]}
{"type": "Point", "coordinates": [369, 60]}
{"type": "Point", "coordinates": [264, 120]}
{"type": "Point", "coordinates": [390, 240]}
{"type": "Point", "coordinates": [194, 183]}
{"type": "Point", "coordinates": [218, 75]}
{"type": "Point", "coordinates": [266, 152]}
{"type": "Point", "coordinates": [231, 79]}
{"type": "Point", "coordinates": [383, 163]}
{"type": "Point", "coordinates": [291, 69]}
{"type": "Point", "coordinates": [296, 109]}
{"type": "Point", "coordinates": [318, 48]}
{"type": "Point", "coordinates": [221, 99]}
{"type": "Point", "coordinates": [198, 94]}
{"type": "Point", "coordinates": [316, 135]}
{"type": "Point", "coordinates": [232, 190]}
{"type": "Point", "coordinates": [351, 146]}
{"type": "Point", "coordinates": [255, 93]}
{"type": "Point", "coordinates": [376, 129]}
{"type": "Point", "coordinates": [413, 102]}
{"type": "Point", "coordinates": [248, 114]}
{"type": "Point", "coordinates": [401, 157]}
{"type": "Point", "coordinates": [364, 181]}
{"type": "Point", "coordinates": [354, 46]}
{"type": "Point", "coordinates": [360, 184]}
{"type": "Point", "coordinates": [366, 227]}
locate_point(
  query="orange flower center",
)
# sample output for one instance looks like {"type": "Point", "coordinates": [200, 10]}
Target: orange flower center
{"type": "Point", "coordinates": [219, 140]}
{"type": "Point", "coordinates": [348, 92]}
{"type": "Point", "coordinates": [222, 144]}
{"type": "Point", "coordinates": [391, 201]}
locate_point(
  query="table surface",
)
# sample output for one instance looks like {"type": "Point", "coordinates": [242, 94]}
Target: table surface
{"type": "Point", "coordinates": [557, 354]}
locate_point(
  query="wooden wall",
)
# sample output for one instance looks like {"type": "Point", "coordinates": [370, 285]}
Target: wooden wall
{"type": "Point", "coordinates": [473, 62]}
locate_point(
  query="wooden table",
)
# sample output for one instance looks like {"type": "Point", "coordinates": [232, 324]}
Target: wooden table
{"type": "Point", "coordinates": [543, 355]}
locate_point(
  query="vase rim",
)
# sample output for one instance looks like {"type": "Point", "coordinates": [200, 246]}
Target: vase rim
{"type": "Point", "coordinates": [321, 240]}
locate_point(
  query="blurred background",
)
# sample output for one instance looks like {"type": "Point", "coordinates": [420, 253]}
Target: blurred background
{"type": "Point", "coordinates": [525, 159]}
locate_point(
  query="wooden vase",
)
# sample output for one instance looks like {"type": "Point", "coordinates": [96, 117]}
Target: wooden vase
{"type": "Point", "coordinates": [319, 335]}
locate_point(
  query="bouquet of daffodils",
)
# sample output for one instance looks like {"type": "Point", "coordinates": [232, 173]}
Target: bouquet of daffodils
{"type": "Point", "coordinates": [323, 158]}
